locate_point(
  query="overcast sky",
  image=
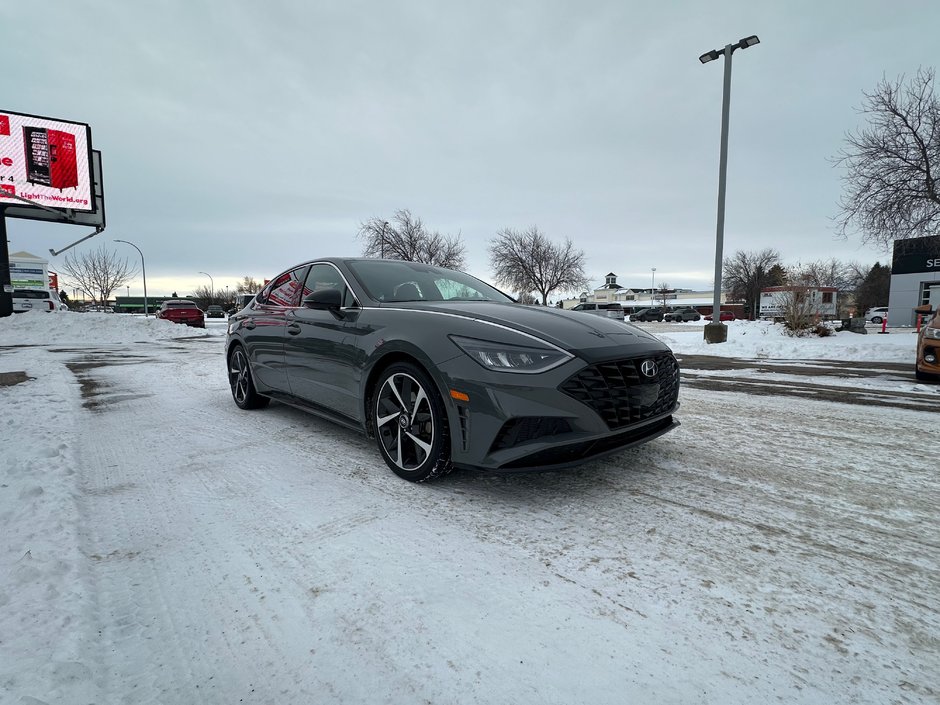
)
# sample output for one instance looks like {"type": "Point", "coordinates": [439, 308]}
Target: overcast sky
{"type": "Point", "coordinates": [239, 138]}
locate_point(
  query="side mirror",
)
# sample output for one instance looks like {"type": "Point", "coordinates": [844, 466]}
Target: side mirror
{"type": "Point", "coordinates": [324, 300]}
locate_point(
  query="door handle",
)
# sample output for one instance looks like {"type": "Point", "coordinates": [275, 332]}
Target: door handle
{"type": "Point", "coordinates": [294, 329]}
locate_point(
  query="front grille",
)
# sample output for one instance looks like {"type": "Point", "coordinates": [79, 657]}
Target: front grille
{"type": "Point", "coordinates": [528, 428]}
{"type": "Point", "coordinates": [621, 394]}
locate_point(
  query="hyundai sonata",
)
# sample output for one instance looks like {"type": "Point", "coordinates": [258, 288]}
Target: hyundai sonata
{"type": "Point", "coordinates": [443, 370]}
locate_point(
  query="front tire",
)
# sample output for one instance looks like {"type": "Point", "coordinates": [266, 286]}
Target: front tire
{"type": "Point", "coordinates": [410, 424]}
{"type": "Point", "coordinates": [240, 380]}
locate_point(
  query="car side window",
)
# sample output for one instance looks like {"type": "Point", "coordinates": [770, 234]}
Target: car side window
{"type": "Point", "coordinates": [326, 276]}
{"type": "Point", "coordinates": [286, 289]}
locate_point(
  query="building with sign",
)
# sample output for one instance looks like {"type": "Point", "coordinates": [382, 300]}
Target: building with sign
{"type": "Point", "coordinates": [28, 271]}
{"type": "Point", "coordinates": [915, 278]}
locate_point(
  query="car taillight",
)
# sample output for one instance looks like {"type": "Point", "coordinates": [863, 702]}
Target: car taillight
{"type": "Point", "coordinates": [51, 306]}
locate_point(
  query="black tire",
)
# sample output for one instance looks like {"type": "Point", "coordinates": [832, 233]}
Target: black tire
{"type": "Point", "coordinates": [410, 424]}
{"type": "Point", "coordinates": [240, 380]}
{"type": "Point", "coordinates": [876, 320]}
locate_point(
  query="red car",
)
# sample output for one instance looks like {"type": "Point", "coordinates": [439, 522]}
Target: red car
{"type": "Point", "coordinates": [182, 311]}
{"type": "Point", "coordinates": [725, 316]}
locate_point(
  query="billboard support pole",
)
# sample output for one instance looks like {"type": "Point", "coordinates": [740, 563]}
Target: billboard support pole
{"type": "Point", "coordinates": [56, 253]}
{"type": "Point", "coordinates": [6, 284]}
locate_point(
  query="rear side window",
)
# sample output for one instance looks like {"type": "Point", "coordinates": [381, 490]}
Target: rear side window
{"type": "Point", "coordinates": [30, 294]}
{"type": "Point", "coordinates": [286, 289]}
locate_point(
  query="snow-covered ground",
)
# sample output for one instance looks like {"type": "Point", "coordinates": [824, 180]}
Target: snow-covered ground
{"type": "Point", "coordinates": [159, 545]}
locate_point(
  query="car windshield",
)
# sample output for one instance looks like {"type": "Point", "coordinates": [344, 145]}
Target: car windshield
{"type": "Point", "coordinates": [399, 281]}
{"type": "Point", "coordinates": [180, 304]}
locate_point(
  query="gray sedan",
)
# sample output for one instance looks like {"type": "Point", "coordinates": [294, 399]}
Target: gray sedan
{"type": "Point", "coordinates": [445, 371]}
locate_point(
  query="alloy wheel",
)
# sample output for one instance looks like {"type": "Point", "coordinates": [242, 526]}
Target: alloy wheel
{"type": "Point", "coordinates": [404, 421]}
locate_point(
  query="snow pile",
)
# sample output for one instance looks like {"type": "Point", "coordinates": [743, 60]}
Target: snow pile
{"type": "Point", "coordinates": [67, 328]}
{"type": "Point", "coordinates": [766, 340]}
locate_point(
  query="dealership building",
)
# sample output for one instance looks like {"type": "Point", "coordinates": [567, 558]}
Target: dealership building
{"type": "Point", "coordinates": [915, 278]}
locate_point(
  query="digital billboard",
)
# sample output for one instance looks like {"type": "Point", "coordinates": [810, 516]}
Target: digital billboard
{"type": "Point", "coordinates": [45, 161]}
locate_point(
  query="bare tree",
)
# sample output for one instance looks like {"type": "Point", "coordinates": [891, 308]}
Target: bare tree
{"type": "Point", "coordinates": [663, 292]}
{"type": "Point", "coordinates": [248, 285]}
{"type": "Point", "coordinates": [890, 188]}
{"type": "Point", "coordinates": [528, 261]}
{"type": "Point", "coordinates": [799, 313]}
{"type": "Point", "coordinates": [203, 296]}
{"type": "Point", "coordinates": [406, 238]}
{"type": "Point", "coordinates": [97, 273]}
{"type": "Point", "coordinates": [746, 273]}
{"type": "Point", "coordinates": [830, 272]}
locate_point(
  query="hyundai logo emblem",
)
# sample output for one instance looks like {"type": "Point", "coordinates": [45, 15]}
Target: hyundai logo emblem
{"type": "Point", "coordinates": [648, 368]}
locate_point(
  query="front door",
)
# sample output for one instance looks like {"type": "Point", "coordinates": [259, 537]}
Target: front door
{"type": "Point", "coordinates": [319, 351]}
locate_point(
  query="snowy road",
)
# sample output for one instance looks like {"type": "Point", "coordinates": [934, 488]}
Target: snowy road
{"type": "Point", "coordinates": [269, 557]}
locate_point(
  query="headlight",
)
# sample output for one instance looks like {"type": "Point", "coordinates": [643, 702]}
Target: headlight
{"type": "Point", "coordinates": [503, 357]}
{"type": "Point", "coordinates": [930, 332]}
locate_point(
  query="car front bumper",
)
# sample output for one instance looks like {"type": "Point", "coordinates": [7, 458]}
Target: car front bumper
{"type": "Point", "coordinates": [518, 422]}
{"type": "Point", "coordinates": [929, 347]}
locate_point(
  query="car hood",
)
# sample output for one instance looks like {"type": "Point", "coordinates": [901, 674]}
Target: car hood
{"type": "Point", "coordinates": [591, 337]}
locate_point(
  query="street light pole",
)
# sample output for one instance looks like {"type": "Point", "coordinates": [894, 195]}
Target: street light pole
{"type": "Point", "coordinates": [652, 285]}
{"type": "Point", "coordinates": [384, 225]}
{"type": "Point", "coordinates": [211, 287]}
{"type": "Point", "coordinates": [143, 269]}
{"type": "Point", "coordinates": [716, 331]}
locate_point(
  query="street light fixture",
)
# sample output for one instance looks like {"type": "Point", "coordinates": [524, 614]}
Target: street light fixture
{"type": "Point", "coordinates": [716, 331]}
{"type": "Point", "coordinates": [211, 286]}
{"type": "Point", "coordinates": [143, 269]}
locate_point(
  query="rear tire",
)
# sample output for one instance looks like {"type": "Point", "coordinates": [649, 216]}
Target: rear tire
{"type": "Point", "coordinates": [410, 424]}
{"type": "Point", "coordinates": [242, 384]}
{"type": "Point", "coordinates": [876, 320]}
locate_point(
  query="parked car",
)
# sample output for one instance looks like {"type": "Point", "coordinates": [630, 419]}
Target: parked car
{"type": "Point", "coordinates": [443, 370]}
{"type": "Point", "coordinates": [927, 362]}
{"type": "Point", "coordinates": [649, 314]}
{"type": "Point", "coordinates": [876, 315]}
{"type": "Point", "coordinates": [614, 310]}
{"type": "Point", "coordinates": [182, 311]}
{"type": "Point", "coordinates": [215, 311]}
{"type": "Point", "coordinates": [723, 316]}
{"type": "Point", "coordinates": [95, 308]}
{"type": "Point", "coordinates": [36, 300]}
{"type": "Point", "coordinates": [682, 314]}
